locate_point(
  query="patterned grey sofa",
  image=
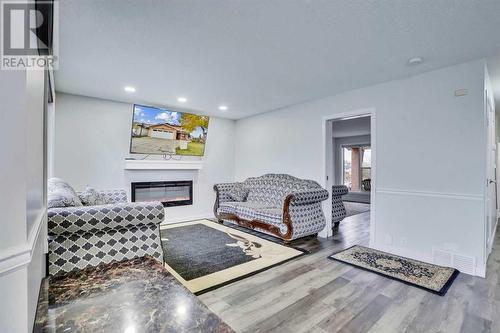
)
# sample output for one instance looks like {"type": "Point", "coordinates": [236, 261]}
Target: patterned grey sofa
{"type": "Point", "coordinates": [276, 204]}
{"type": "Point", "coordinates": [83, 236]}
{"type": "Point", "coordinates": [338, 208]}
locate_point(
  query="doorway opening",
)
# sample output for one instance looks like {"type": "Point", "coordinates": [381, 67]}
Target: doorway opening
{"type": "Point", "coordinates": [350, 167]}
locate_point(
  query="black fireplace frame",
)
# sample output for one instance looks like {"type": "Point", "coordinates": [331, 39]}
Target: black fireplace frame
{"type": "Point", "coordinates": [138, 185]}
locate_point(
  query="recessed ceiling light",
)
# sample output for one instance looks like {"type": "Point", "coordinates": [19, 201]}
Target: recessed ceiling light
{"type": "Point", "coordinates": [223, 108]}
{"type": "Point", "coordinates": [129, 89]}
{"type": "Point", "coordinates": [415, 61]}
{"type": "Point", "coordinates": [182, 99]}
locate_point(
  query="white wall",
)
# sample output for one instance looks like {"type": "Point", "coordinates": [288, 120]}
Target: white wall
{"type": "Point", "coordinates": [35, 176]}
{"type": "Point", "coordinates": [351, 127]}
{"type": "Point", "coordinates": [92, 141]}
{"type": "Point", "coordinates": [22, 199]}
{"type": "Point", "coordinates": [430, 157]}
{"type": "Point", "coordinates": [12, 205]}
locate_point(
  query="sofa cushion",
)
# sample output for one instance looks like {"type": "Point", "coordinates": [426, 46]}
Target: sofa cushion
{"type": "Point", "coordinates": [245, 210]}
{"type": "Point", "coordinates": [113, 196]}
{"type": "Point", "coordinates": [270, 215]}
{"type": "Point", "coordinates": [238, 192]}
{"type": "Point", "coordinates": [90, 197]}
{"type": "Point", "coordinates": [228, 207]}
{"type": "Point", "coordinates": [250, 210]}
{"type": "Point", "coordinates": [61, 194]}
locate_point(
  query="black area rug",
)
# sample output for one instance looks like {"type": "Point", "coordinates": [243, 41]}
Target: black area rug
{"type": "Point", "coordinates": [433, 278]}
{"type": "Point", "coordinates": [204, 255]}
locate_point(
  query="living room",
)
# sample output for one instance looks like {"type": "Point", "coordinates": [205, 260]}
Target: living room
{"type": "Point", "coordinates": [251, 167]}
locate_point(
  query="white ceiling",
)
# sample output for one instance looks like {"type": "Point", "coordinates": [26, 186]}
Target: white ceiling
{"type": "Point", "coordinates": [260, 55]}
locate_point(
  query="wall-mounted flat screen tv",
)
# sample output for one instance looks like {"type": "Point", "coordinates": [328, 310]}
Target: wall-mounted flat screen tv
{"type": "Point", "coordinates": [160, 131]}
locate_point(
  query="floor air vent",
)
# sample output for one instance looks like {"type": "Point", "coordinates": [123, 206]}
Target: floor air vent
{"type": "Point", "coordinates": [463, 263]}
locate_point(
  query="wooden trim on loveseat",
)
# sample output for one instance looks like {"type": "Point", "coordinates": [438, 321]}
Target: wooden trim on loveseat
{"type": "Point", "coordinates": [257, 224]}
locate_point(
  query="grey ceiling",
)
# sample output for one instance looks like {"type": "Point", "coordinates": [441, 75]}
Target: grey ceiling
{"type": "Point", "coordinates": [260, 55]}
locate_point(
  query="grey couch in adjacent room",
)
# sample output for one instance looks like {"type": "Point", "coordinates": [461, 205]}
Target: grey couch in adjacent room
{"type": "Point", "coordinates": [82, 236]}
{"type": "Point", "coordinates": [338, 208]}
{"type": "Point", "coordinates": [278, 204]}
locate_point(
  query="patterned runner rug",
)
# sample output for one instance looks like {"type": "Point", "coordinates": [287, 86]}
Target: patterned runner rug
{"type": "Point", "coordinates": [205, 255]}
{"type": "Point", "coordinates": [433, 278]}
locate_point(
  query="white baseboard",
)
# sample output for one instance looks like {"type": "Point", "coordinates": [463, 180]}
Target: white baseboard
{"type": "Point", "coordinates": [323, 233]}
{"type": "Point", "coordinates": [187, 218]}
{"type": "Point", "coordinates": [20, 256]}
{"type": "Point", "coordinates": [480, 271]}
{"type": "Point", "coordinates": [492, 238]}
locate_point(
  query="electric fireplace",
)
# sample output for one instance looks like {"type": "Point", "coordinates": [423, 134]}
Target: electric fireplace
{"type": "Point", "coordinates": [169, 193]}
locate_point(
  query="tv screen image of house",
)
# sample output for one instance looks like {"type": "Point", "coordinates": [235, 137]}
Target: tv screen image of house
{"type": "Point", "coordinates": [160, 131]}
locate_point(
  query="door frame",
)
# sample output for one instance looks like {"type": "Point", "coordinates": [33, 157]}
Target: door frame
{"type": "Point", "coordinates": [328, 167]}
{"type": "Point", "coordinates": [491, 161]}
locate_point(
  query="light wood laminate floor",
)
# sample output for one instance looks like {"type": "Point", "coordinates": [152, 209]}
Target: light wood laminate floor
{"type": "Point", "coordinates": [314, 294]}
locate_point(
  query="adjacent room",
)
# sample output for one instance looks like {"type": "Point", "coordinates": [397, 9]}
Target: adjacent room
{"type": "Point", "coordinates": [352, 162]}
{"type": "Point", "coordinates": [250, 166]}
